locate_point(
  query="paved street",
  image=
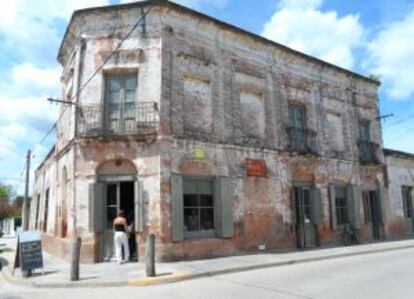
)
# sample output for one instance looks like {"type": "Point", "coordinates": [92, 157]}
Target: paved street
{"type": "Point", "coordinates": [381, 275]}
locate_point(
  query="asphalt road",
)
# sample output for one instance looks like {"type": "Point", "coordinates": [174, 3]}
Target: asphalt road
{"type": "Point", "coordinates": [380, 275]}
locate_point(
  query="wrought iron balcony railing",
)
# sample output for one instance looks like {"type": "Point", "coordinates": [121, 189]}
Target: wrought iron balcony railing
{"type": "Point", "coordinates": [368, 151]}
{"type": "Point", "coordinates": [300, 140]}
{"type": "Point", "coordinates": [133, 118]}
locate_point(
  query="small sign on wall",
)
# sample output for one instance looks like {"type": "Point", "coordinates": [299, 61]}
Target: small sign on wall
{"type": "Point", "coordinates": [199, 154]}
{"type": "Point", "coordinates": [256, 167]}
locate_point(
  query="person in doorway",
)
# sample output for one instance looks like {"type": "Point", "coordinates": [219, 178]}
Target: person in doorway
{"type": "Point", "coordinates": [121, 238]}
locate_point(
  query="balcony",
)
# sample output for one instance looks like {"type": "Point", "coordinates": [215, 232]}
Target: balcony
{"type": "Point", "coordinates": [368, 152]}
{"type": "Point", "coordinates": [140, 119]}
{"type": "Point", "coordinates": [302, 141]}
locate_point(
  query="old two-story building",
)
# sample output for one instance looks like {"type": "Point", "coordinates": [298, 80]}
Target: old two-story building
{"type": "Point", "coordinates": [400, 184]}
{"type": "Point", "coordinates": [216, 140]}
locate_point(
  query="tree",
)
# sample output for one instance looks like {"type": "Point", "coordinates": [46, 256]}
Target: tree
{"type": "Point", "coordinates": [6, 191]}
{"type": "Point", "coordinates": [7, 208]}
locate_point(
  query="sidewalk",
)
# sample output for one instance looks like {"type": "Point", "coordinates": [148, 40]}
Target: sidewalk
{"type": "Point", "coordinates": [133, 274]}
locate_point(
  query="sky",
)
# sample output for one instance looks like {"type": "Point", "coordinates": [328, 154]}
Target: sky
{"type": "Point", "coordinates": [371, 37]}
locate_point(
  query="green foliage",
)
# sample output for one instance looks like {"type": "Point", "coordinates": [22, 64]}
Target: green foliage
{"type": "Point", "coordinates": [7, 207]}
{"type": "Point", "coordinates": [6, 191]}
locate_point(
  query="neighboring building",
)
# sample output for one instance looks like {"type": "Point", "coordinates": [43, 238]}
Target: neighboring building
{"type": "Point", "coordinates": [214, 139]}
{"type": "Point", "coordinates": [400, 172]}
{"type": "Point", "coordinates": [7, 227]}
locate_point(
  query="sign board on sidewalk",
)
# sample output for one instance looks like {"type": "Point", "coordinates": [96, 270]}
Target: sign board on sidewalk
{"type": "Point", "coordinates": [29, 251]}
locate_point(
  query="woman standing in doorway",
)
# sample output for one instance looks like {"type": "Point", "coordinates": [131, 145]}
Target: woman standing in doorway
{"type": "Point", "coordinates": [121, 238]}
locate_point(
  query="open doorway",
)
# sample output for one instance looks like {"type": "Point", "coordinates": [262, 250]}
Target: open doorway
{"type": "Point", "coordinates": [119, 196]}
{"type": "Point", "coordinates": [372, 210]}
{"type": "Point", "coordinates": [305, 228]}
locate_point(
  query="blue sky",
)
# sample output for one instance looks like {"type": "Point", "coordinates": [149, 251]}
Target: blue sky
{"type": "Point", "coordinates": [369, 37]}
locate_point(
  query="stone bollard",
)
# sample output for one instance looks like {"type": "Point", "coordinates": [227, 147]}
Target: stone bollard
{"type": "Point", "coordinates": [150, 256]}
{"type": "Point", "coordinates": [75, 256]}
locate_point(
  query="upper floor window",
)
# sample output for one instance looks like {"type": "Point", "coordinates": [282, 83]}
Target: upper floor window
{"type": "Point", "coordinates": [301, 139]}
{"type": "Point", "coordinates": [364, 130]}
{"type": "Point", "coordinates": [198, 113]}
{"type": "Point", "coordinates": [120, 103]}
{"type": "Point", "coordinates": [297, 116]}
{"type": "Point", "coordinates": [253, 114]}
{"type": "Point", "coordinates": [368, 150]}
{"type": "Point", "coordinates": [336, 136]}
{"type": "Point", "coordinates": [407, 201]}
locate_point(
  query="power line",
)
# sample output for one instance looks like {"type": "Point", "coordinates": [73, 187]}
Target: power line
{"type": "Point", "coordinates": [94, 74]}
{"type": "Point", "coordinates": [399, 121]}
{"type": "Point", "coordinates": [409, 130]}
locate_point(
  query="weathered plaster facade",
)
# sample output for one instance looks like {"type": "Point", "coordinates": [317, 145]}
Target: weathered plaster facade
{"type": "Point", "coordinates": [400, 175]}
{"type": "Point", "coordinates": [221, 96]}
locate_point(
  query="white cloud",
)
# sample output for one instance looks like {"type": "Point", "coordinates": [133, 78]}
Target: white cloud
{"type": "Point", "coordinates": [300, 4]}
{"type": "Point", "coordinates": [30, 80]}
{"type": "Point", "coordinates": [300, 24]}
{"type": "Point", "coordinates": [30, 27]}
{"type": "Point", "coordinates": [391, 56]}
{"type": "Point", "coordinates": [34, 113]}
{"type": "Point", "coordinates": [13, 130]}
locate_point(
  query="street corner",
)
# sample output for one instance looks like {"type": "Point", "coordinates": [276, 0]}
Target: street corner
{"type": "Point", "coordinates": [163, 279]}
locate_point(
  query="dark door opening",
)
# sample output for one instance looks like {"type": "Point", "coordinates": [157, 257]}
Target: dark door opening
{"type": "Point", "coordinates": [119, 196]}
{"type": "Point", "coordinates": [127, 200]}
{"type": "Point", "coordinates": [375, 212]}
{"type": "Point", "coordinates": [305, 229]}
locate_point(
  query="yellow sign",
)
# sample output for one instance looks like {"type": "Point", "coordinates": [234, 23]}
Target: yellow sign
{"type": "Point", "coordinates": [200, 153]}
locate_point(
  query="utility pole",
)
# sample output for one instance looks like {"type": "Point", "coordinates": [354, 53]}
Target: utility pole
{"type": "Point", "coordinates": [26, 194]}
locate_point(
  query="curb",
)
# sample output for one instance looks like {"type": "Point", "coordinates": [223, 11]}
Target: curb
{"type": "Point", "coordinates": [182, 276]}
{"type": "Point", "coordinates": [187, 276]}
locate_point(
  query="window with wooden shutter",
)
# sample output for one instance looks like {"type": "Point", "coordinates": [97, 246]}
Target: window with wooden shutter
{"type": "Point", "coordinates": [345, 205]}
{"type": "Point", "coordinates": [332, 199]}
{"type": "Point", "coordinates": [199, 208]}
{"type": "Point", "coordinates": [356, 205]}
{"type": "Point", "coordinates": [226, 208]}
{"type": "Point", "coordinates": [364, 130]}
{"type": "Point", "coordinates": [407, 201]}
{"type": "Point", "coordinates": [96, 207]}
{"type": "Point", "coordinates": [317, 207]}
{"type": "Point", "coordinates": [350, 203]}
{"type": "Point", "coordinates": [177, 209]}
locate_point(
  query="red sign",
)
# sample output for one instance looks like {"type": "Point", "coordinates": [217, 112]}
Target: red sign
{"type": "Point", "coordinates": [256, 167]}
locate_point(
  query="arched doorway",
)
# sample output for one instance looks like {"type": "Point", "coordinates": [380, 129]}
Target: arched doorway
{"type": "Point", "coordinates": [117, 180]}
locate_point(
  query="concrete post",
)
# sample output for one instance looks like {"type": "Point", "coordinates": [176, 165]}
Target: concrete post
{"type": "Point", "coordinates": [150, 256]}
{"type": "Point", "coordinates": [75, 256]}
{"type": "Point", "coordinates": [25, 214]}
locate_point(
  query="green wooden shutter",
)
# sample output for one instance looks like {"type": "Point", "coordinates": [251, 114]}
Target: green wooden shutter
{"type": "Point", "coordinates": [177, 208]}
{"type": "Point", "coordinates": [293, 207]}
{"type": "Point", "coordinates": [316, 207]}
{"type": "Point", "coordinates": [226, 229]}
{"type": "Point", "coordinates": [357, 205]}
{"type": "Point", "coordinates": [96, 207]}
{"type": "Point", "coordinates": [139, 206]}
{"type": "Point", "coordinates": [332, 198]}
{"type": "Point", "coordinates": [350, 204]}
